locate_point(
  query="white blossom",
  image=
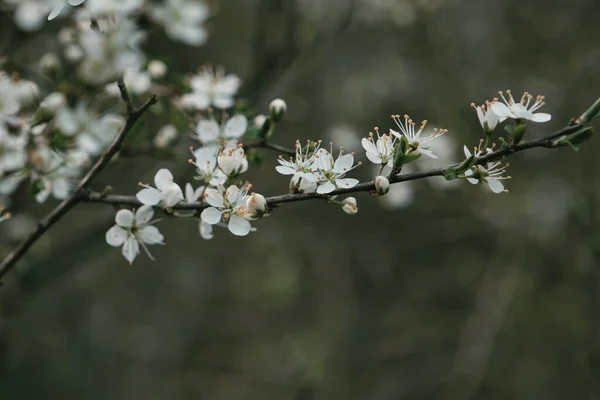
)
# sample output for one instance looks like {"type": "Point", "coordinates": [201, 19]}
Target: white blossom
{"type": "Point", "coordinates": [277, 109]}
{"type": "Point", "coordinates": [255, 208]}
{"type": "Point", "coordinates": [380, 151]}
{"type": "Point", "coordinates": [206, 165]}
{"type": "Point", "coordinates": [302, 166]}
{"type": "Point", "coordinates": [490, 173]}
{"type": "Point", "coordinates": [331, 172]}
{"type": "Point", "coordinates": [137, 82]}
{"type": "Point", "coordinates": [415, 139]}
{"type": "Point", "coordinates": [166, 192]}
{"type": "Point", "coordinates": [382, 185]}
{"type": "Point", "coordinates": [232, 162]}
{"type": "Point", "coordinates": [183, 20]}
{"type": "Point", "coordinates": [165, 136]}
{"type": "Point", "coordinates": [9, 105]}
{"type": "Point", "coordinates": [157, 69]}
{"type": "Point", "coordinates": [226, 207]}
{"type": "Point", "coordinates": [211, 88]}
{"type": "Point", "coordinates": [521, 110]}
{"type": "Point", "coordinates": [209, 132]}
{"type": "Point", "coordinates": [350, 206]}
{"type": "Point", "coordinates": [52, 104]}
{"type": "Point", "coordinates": [132, 230]}
{"type": "Point", "coordinates": [487, 117]}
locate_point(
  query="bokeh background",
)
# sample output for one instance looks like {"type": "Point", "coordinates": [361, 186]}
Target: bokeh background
{"type": "Point", "coordinates": [440, 292]}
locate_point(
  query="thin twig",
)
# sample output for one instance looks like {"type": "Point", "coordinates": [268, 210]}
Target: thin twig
{"type": "Point", "coordinates": [133, 115]}
{"type": "Point", "coordinates": [271, 146]}
{"type": "Point", "coordinates": [547, 142]}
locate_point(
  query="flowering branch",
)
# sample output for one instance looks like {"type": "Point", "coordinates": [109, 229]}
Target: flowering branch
{"type": "Point", "coordinates": [549, 141]}
{"type": "Point", "coordinates": [133, 115]}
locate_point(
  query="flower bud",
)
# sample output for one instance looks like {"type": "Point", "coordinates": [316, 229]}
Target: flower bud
{"type": "Point", "coordinates": [382, 185]}
{"type": "Point", "coordinates": [277, 109]}
{"type": "Point", "coordinates": [49, 65]}
{"type": "Point", "coordinates": [350, 206]}
{"type": "Point", "coordinates": [157, 69]}
{"type": "Point", "coordinates": [51, 104]}
{"type": "Point", "coordinates": [165, 136]}
{"type": "Point", "coordinates": [259, 121]}
{"type": "Point", "coordinates": [256, 207]}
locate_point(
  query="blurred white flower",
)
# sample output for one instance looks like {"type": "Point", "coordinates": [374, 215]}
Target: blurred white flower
{"type": "Point", "coordinates": [183, 20]}
{"type": "Point", "coordinates": [136, 81]}
{"type": "Point", "coordinates": [166, 192]}
{"type": "Point", "coordinates": [302, 167]}
{"type": "Point", "coordinates": [52, 104]}
{"type": "Point", "coordinates": [165, 136]}
{"type": "Point", "coordinates": [206, 166]}
{"type": "Point", "coordinates": [59, 175]}
{"type": "Point", "coordinates": [26, 92]}
{"type": "Point", "coordinates": [232, 161]}
{"type": "Point", "coordinates": [331, 172]}
{"type": "Point", "coordinates": [490, 173]}
{"type": "Point", "coordinates": [415, 140]}
{"type": "Point", "coordinates": [58, 5]}
{"type": "Point", "coordinates": [157, 69]}
{"type": "Point", "coordinates": [522, 110]}
{"type": "Point", "coordinates": [211, 88]}
{"type": "Point", "coordinates": [226, 207]}
{"type": "Point", "coordinates": [208, 131]}
{"type": "Point", "coordinates": [9, 105]}
{"type": "Point", "coordinates": [132, 230]}
{"type": "Point", "coordinates": [382, 151]}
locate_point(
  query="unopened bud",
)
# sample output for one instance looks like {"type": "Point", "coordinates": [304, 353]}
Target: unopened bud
{"type": "Point", "coordinates": [259, 121]}
{"type": "Point", "coordinates": [350, 206]}
{"type": "Point", "coordinates": [382, 185]}
{"type": "Point", "coordinates": [49, 64]}
{"type": "Point", "coordinates": [157, 69]}
{"type": "Point", "coordinates": [51, 104]}
{"type": "Point", "coordinates": [277, 109]}
{"type": "Point", "coordinates": [165, 136]}
{"type": "Point", "coordinates": [256, 207]}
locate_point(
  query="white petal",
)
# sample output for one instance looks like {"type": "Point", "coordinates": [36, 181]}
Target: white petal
{"type": "Point", "coordinates": [541, 117]}
{"type": "Point", "coordinates": [189, 193]}
{"type": "Point", "coordinates": [369, 146]}
{"type": "Point", "coordinates": [163, 179]}
{"type": "Point", "coordinates": [236, 126]}
{"type": "Point", "coordinates": [473, 180]}
{"type": "Point", "coordinates": [346, 183]}
{"type": "Point", "coordinates": [495, 185]}
{"type": "Point", "coordinates": [172, 195]}
{"type": "Point", "coordinates": [324, 160]}
{"type": "Point", "coordinates": [501, 110]}
{"type": "Point", "coordinates": [55, 11]}
{"type": "Point", "coordinates": [426, 152]}
{"type": "Point", "coordinates": [211, 215]}
{"type": "Point", "coordinates": [214, 197]}
{"type": "Point", "coordinates": [285, 170]}
{"type": "Point", "coordinates": [131, 249]}
{"type": "Point", "coordinates": [343, 163]}
{"type": "Point", "coordinates": [116, 236]}
{"type": "Point", "coordinates": [467, 151]}
{"type": "Point", "coordinates": [143, 215]}
{"type": "Point", "coordinates": [239, 226]}
{"type": "Point", "coordinates": [208, 130]}
{"type": "Point", "coordinates": [374, 158]}
{"type": "Point", "coordinates": [124, 218]}
{"type": "Point", "coordinates": [151, 235]}
{"type": "Point", "coordinates": [326, 187]}
{"type": "Point", "coordinates": [148, 196]}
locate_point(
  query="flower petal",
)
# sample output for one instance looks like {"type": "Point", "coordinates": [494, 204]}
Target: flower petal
{"type": "Point", "coordinates": [495, 185]}
{"type": "Point", "coordinates": [369, 146]}
{"type": "Point", "coordinates": [502, 110]}
{"type": "Point", "coordinates": [285, 170]}
{"type": "Point", "coordinates": [172, 195]}
{"type": "Point", "coordinates": [189, 193]}
{"type": "Point", "coordinates": [374, 158]}
{"type": "Point", "coordinates": [206, 230]}
{"type": "Point", "coordinates": [346, 182]}
{"type": "Point", "coordinates": [143, 215]}
{"type": "Point", "coordinates": [163, 179]}
{"type": "Point", "coordinates": [238, 225]}
{"type": "Point", "coordinates": [151, 235]}
{"type": "Point", "coordinates": [211, 215]}
{"type": "Point", "coordinates": [325, 188]}
{"type": "Point", "coordinates": [467, 151]}
{"type": "Point", "coordinates": [208, 130]}
{"type": "Point", "coordinates": [148, 196]}
{"type": "Point", "coordinates": [214, 197]}
{"type": "Point", "coordinates": [116, 236]}
{"type": "Point", "coordinates": [131, 249]}
{"type": "Point", "coordinates": [343, 164]}
{"type": "Point", "coordinates": [236, 126]}
{"type": "Point", "coordinates": [124, 218]}
{"type": "Point", "coordinates": [541, 117]}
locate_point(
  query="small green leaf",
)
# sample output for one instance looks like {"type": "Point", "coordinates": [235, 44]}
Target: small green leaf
{"type": "Point", "coordinates": [582, 135]}
{"type": "Point", "coordinates": [450, 174]}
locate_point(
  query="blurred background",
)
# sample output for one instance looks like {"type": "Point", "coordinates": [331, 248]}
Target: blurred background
{"type": "Point", "coordinates": [435, 291]}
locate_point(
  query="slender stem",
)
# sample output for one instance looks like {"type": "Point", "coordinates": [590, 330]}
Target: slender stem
{"type": "Point", "coordinates": [271, 146]}
{"type": "Point", "coordinates": [547, 142]}
{"type": "Point", "coordinates": [133, 115]}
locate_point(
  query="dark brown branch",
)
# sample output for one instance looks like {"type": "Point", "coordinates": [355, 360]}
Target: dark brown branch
{"type": "Point", "coordinates": [133, 115]}
{"type": "Point", "coordinates": [547, 142]}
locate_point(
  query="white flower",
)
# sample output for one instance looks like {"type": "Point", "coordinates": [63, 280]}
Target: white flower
{"type": "Point", "coordinates": [206, 166]}
{"type": "Point", "coordinates": [415, 140]}
{"type": "Point", "coordinates": [136, 81]}
{"type": "Point", "coordinates": [350, 206]}
{"type": "Point", "coordinates": [26, 93]}
{"type": "Point", "coordinates": [183, 20]}
{"type": "Point", "coordinates": [56, 173]}
{"type": "Point", "coordinates": [331, 173]}
{"type": "Point", "coordinates": [300, 185]}
{"type": "Point", "coordinates": [165, 136]}
{"type": "Point", "coordinates": [58, 5]}
{"type": "Point", "coordinates": [9, 105]}
{"type": "Point", "coordinates": [52, 104]}
{"type": "Point", "coordinates": [109, 8]}
{"type": "Point", "coordinates": [382, 151]}
{"type": "Point", "coordinates": [382, 185]}
{"type": "Point", "coordinates": [208, 131]}
{"type": "Point", "coordinates": [486, 173]}
{"type": "Point", "coordinates": [232, 162]}
{"type": "Point", "coordinates": [302, 167]}
{"type": "Point", "coordinates": [13, 152]}
{"type": "Point", "coordinates": [157, 69]}
{"type": "Point", "coordinates": [522, 110]}
{"type": "Point", "coordinates": [211, 88]}
{"type": "Point", "coordinates": [226, 207]}
{"type": "Point", "coordinates": [132, 230]}
{"type": "Point", "coordinates": [255, 208]}
{"type": "Point", "coordinates": [166, 192]}
{"type": "Point", "coordinates": [487, 117]}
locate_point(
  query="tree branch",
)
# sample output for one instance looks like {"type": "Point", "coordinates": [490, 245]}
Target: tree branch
{"type": "Point", "coordinates": [271, 146]}
{"type": "Point", "coordinates": [546, 142]}
{"type": "Point", "coordinates": [133, 115]}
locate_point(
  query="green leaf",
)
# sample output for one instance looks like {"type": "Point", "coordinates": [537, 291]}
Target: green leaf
{"type": "Point", "coordinates": [582, 135]}
{"type": "Point", "coordinates": [465, 165]}
{"type": "Point", "coordinates": [450, 174]}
